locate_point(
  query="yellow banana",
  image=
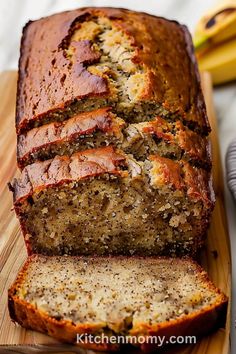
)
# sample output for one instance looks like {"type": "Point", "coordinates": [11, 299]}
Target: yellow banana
{"type": "Point", "coordinates": [218, 25]}
{"type": "Point", "coordinates": [220, 61]}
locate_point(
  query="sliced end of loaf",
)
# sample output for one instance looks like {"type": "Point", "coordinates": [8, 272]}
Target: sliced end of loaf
{"type": "Point", "coordinates": [65, 296]}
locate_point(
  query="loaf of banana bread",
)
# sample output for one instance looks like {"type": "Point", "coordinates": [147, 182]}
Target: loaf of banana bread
{"type": "Point", "coordinates": [112, 136]}
{"type": "Point", "coordinates": [71, 297]}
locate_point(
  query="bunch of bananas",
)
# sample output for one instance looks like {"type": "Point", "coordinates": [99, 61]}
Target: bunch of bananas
{"type": "Point", "coordinates": [215, 42]}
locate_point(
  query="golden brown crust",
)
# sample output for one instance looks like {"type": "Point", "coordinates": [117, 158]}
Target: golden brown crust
{"type": "Point", "coordinates": [85, 54]}
{"type": "Point", "coordinates": [194, 182]}
{"type": "Point", "coordinates": [199, 185]}
{"type": "Point", "coordinates": [165, 173]}
{"type": "Point", "coordinates": [193, 146]}
{"type": "Point", "coordinates": [196, 324]}
{"type": "Point", "coordinates": [168, 172]}
{"type": "Point", "coordinates": [202, 323]}
{"type": "Point", "coordinates": [65, 169]}
{"type": "Point", "coordinates": [171, 71]}
{"type": "Point", "coordinates": [61, 83]}
{"type": "Point", "coordinates": [48, 140]}
{"type": "Point", "coordinates": [60, 132]}
{"type": "Point", "coordinates": [30, 317]}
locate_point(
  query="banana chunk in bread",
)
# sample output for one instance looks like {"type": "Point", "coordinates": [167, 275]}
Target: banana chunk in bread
{"type": "Point", "coordinates": [103, 201]}
{"type": "Point", "coordinates": [141, 65]}
{"type": "Point", "coordinates": [69, 296]}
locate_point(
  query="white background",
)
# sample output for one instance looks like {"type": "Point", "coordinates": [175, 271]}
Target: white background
{"type": "Point", "coordinates": [15, 13]}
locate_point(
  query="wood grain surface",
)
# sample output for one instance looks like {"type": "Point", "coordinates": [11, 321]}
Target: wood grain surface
{"type": "Point", "coordinates": [215, 257]}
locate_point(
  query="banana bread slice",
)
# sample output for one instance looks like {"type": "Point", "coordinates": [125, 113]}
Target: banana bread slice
{"type": "Point", "coordinates": [103, 201]}
{"type": "Point", "coordinates": [101, 127]}
{"type": "Point", "coordinates": [139, 64]}
{"type": "Point", "coordinates": [86, 130]}
{"type": "Point", "coordinates": [71, 297]}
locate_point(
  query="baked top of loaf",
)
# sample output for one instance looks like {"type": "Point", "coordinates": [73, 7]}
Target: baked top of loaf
{"type": "Point", "coordinates": [65, 296]}
{"type": "Point", "coordinates": [136, 62]}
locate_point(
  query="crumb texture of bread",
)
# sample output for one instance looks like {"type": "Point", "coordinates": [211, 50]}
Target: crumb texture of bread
{"type": "Point", "coordinates": [63, 296]}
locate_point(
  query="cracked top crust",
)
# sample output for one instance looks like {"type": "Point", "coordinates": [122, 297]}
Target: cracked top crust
{"type": "Point", "coordinates": [84, 123]}
{"type": "Point", "coordinates": [163, 173]}
{"type": "Point", "coordinates": [157, 65]}
{"type": "Point", "coordinates": [65, 169]}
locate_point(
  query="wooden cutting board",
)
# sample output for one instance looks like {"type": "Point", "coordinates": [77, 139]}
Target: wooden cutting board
{"type": "Point", "coordinates": [215, 258]}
